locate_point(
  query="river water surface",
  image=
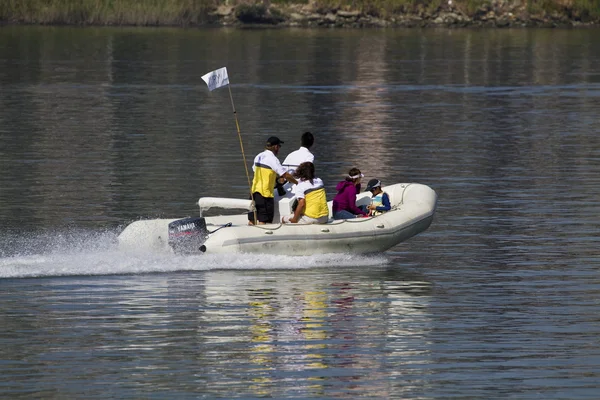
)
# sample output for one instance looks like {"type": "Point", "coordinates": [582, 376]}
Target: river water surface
{"type": "Point", "coordinates": [499, 298]}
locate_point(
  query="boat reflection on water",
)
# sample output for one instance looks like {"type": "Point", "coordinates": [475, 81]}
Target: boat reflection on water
{"type": "Point", "coordinates": [310, 331]}
{"type": "Point", "coordinates": [287, 333]}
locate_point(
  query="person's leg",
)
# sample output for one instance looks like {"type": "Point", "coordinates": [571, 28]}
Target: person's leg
{"type": "Point", "coordinates": [262, 207]}
{"type": "Point", "coordinates": [343, 214]}
{"type": "Point", "coordinates": [304, 220]}
{"type": "Point", "coordinates": [308, 220]}
{"type": "Point", "coordinates": [269, 213]}
{"type": "Point", "coordinates": [323, 220]}
{"type": "Point", "coordinates": [252, 214]}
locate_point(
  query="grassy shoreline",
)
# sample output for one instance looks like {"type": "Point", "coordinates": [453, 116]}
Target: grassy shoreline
{"type": "Point", "coordinates": [341, 13]}
{"type": "Point", "coordinates": [105, 12]}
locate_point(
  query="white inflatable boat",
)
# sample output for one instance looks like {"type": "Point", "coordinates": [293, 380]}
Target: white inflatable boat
{"type": "Point", "coordinates": [413, 207]}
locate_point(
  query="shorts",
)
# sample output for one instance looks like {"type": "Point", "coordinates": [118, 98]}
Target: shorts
{"type": "Point", "coordinates": [305, 220]}
{"type": "Point", "coordinates": [265, 208]}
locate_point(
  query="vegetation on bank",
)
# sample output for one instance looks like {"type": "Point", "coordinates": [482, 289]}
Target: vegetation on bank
{"type": "Point", "coordinates": [298, 12]}
{"type": "Point", "coordinates": [106, 12]}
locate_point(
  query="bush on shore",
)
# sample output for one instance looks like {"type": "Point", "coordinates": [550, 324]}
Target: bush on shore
{"type": "Point", "coordinates": [273, 12]}
{"type": "Point", "coordinates": [107, 12]}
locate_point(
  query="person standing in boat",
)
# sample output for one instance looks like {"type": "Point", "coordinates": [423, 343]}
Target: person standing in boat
{"type": "Point", "coordinates": [380, 201]}
{"type": "Point", "coordinates": [312, 199]}
{"type": "Point", "coordinates": [344, 202]}
{"type": "Point", "coordinates": [266, 168]}
{"type": "Point", "coordinates": [303, 154]}
{"type": "Point", "coordinates": [294, 159]}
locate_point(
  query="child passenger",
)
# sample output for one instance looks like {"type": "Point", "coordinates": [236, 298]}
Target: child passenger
{"type": "Point", "coordinates": [380, 201]}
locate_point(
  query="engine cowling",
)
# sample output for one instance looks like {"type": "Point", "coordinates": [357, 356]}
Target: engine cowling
{"type": "Point", "coordinates": [187, 235]}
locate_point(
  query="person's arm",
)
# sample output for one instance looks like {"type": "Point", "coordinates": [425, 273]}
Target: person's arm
{"type": "Point", "coordinates": [284, 173]}
{"type": "Point", "coordinates": [299, 211]}
{"type": "Point", "coordinates": [386, 206]}
{"type": "Point", "coordinates": [351, 196]}
{"type": "Point", "coordinates": [290, 178]}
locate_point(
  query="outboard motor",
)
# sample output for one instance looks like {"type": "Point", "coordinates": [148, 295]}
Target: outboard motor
{"type": "Point", "coordinates": [187, 235]}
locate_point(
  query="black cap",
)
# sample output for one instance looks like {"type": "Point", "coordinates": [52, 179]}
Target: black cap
{"type": "Point", "coordinates": [273, 140]}
{"type": "Point", "coordinates": [373, 183]}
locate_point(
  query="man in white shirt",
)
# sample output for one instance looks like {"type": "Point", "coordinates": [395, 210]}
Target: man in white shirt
{"type": "Point", "coordinates": [266, 168]}
{"type": "Point", "coordinates": [295, 158]}
{"type": "Point", "coordinates": [303, 154]}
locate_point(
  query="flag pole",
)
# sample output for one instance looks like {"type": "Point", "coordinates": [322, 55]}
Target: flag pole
{"type": "Point", "coordinates": [215, 79]}
{"type": "Point", "coordinates": [237, 124]}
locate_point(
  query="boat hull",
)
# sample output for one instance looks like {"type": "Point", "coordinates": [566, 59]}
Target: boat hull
{"type": "Point", "coordinates": [413, 211]}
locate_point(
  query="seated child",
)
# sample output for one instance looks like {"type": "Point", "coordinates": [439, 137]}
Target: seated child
{"type": "Point", "coordinates": [380, 201]}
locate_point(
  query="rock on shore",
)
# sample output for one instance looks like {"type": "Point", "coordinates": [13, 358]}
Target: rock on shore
{"type": "Point", "coordinates": [498, 14]}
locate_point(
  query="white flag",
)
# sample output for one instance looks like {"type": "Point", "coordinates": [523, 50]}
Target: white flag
{"type": "Point", "coordinates": [216, 78]}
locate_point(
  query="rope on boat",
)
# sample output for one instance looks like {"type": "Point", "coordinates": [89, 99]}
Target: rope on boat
{"type": "Point", "coordinates": [264, 227]}
{"type": "Point", "coordinates": [341, 221]}
{"type": "Point", "coordinates": [243, 153]}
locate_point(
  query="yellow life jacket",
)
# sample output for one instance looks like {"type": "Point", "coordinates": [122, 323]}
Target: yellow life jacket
{"type": "Point", "coordinates": [314, 196]}
{"type": "Point", "coordinates": [266, 168]}
{"type": "Point", "coordinates": [264, 180]}
{"type": "Point", "coordinates": [316, 203]}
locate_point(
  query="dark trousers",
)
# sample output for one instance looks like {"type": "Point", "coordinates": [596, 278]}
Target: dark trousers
{"type": "Point", "coordinates": [265, 208]}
